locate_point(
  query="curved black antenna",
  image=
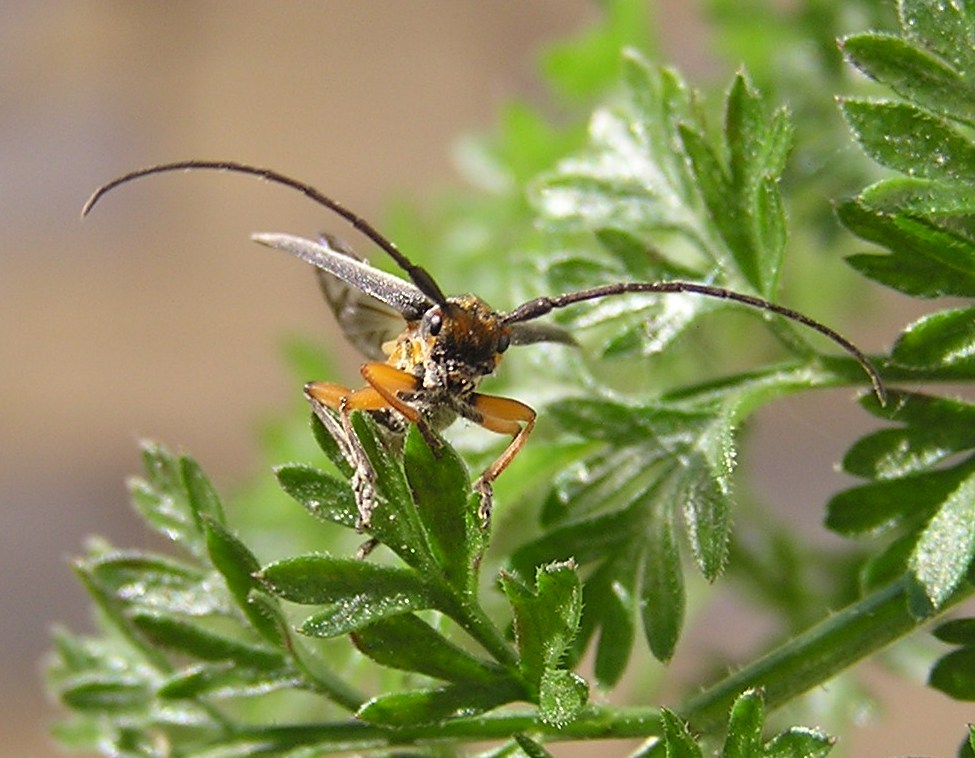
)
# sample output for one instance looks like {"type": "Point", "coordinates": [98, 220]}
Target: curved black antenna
{"type": "Point", "coordinates": [542, 305]}
{"type": "Point", "coordinates": [419, 275]}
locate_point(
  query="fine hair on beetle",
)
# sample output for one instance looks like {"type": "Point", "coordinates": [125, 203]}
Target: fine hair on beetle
{"type": "Point", "coordinates": [428, 372]}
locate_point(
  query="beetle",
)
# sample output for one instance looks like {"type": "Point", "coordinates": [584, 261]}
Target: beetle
{"type": "Point", "coordinates": [427, 370]}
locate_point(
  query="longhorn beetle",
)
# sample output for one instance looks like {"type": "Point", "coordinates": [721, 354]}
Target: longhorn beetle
{"type": "Point", "coordinates": [428, 372]}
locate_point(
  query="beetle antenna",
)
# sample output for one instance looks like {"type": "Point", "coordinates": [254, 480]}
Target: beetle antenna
{"type": "Point", "coordinates": [542, 305]}
{"type": "Point", "coordinates": [419, 275]}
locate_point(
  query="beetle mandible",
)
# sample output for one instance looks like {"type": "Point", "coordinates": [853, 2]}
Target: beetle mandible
{"type": "Point", "coordinates": [428, 371]}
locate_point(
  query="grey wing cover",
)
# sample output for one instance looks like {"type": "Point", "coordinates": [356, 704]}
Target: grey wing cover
{"type": "Point", "coordinates": [370, 305]}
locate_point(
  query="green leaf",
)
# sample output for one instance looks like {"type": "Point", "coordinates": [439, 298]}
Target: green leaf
{"type": "Point", "coordinates": [611, 597]}
{"type": "Point", "coordinates": [913, 73]}
{"type": "Point", "coordinates": [153, 581]}
{"type": "Point", "coordinates": [323, 496]}
{"type": "Point", "coordinates": [944, 28]}
{"type": "Point", "coordinates": [799, 742]}
{"type": "Point", "coordinates": [926, 260]}
{"type": "Point", "coordinates": [662, 598]}
{"type": "Point", "coordinates": [907, 139]}
{"type": "Point", "coordinates": [225, 679]}
{"type": "Point", "coordinates": [421, 706]}
{"type": "Point", "coordinates": [745, 726]}
{"type": "Point", "coordinates": [957, 632]}
{"type": "Point", "coordinates": [945, 549]}
{"type": "Point", "coordinates": [441, 490]}
{"type": "Point", "coordinates": [358, 592]}
{"type": "Point", "coordinates": [238, 565]}
{"type": "Point", "coordinates": [705, 491]}
{"type": "Point", "coordinates": [546, 619]}
{"type": "Point", "coordinates": [530, 748]}
{"type": "Point", "coordinates": [203, 498]}
{"type": "Point", "coordinates": [562, 695]}
{"type": "Point", "coordinates": [329, 446]}
{"type": "Point", "coordinates": [680, 743]}
{"type": "Point", "coordinates": [408, 643]}
{"type": "Point", "coordinates": [921, 197]}
{"type": "Point", "coordinates": [753, 224]}
{"type": "Point", "coordinates": [174, 633]}
{"type": "Point", "coordinates": [880, 506]}
{"type": "Point", "coordinates": [395, 521]}
{"type": "Point", "coordinates": [940, 341]}
{"type": "Point", "coordinates": [106, 693]}
{"type": "Point", "coordinates": [936, 428]}
{"type": "Point", "coordinates": [161, 498]}
{"type": "Point", "coordinates": [954, 674]}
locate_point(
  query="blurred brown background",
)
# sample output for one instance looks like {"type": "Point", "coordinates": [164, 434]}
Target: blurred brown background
{"type": "Point", "coordinates": [157, 317]}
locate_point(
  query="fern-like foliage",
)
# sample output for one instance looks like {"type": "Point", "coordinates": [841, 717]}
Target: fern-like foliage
{"type": "Point", "coordinates": [257, 644]}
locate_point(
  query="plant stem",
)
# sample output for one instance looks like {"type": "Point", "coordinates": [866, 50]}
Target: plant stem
{"type": "Point", "coordinates": [599, 722]}
{"type": "Point", "coordinates": [816, 655]}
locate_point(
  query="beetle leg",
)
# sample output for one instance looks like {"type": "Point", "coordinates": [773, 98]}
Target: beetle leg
{"type": "Point", "coordinates": [388, 381]}
{"type": "Point", "coordinates": [504, 416]}
{"type": "Point", "coordinates": [344, 400]}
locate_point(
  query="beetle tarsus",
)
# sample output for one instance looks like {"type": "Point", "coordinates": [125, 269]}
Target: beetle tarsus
{"type": "Point", "coordinates": [485, 489]}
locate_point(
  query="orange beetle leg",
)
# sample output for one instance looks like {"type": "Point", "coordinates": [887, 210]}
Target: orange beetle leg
{"type": "Point", "coordinates": [388, 381]}
{"type": "Point", "coordinates": [504, 416]}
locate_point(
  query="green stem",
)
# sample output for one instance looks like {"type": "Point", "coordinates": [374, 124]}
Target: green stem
{"type": "Point", "coordinates": [600, 722]}
{"type": "Point", "coordinates": [816, 655]}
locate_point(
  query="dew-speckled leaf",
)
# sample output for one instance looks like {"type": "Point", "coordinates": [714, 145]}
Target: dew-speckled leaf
{"type": "Point", "coordinates": [177, 634]}
{"type": "Point", "coordinates": [430, 706]}
{"type": "Point", "coordinates": [225, 679]}
{"type": "Point", "coordinates": [357, 592]}
{"type": "Point", "coordinates": [408, 643]}
{"type": "Point", "coordinates": [936, 428]}
{"type": "Point", "coordinates": [546, 619]}
{"type": "Point", "coordinates": [944, 340]}
{"type": "Point", "coordinates": [329, 446]}
{"type": "Point", "coordinates": [203, 498]}
{"type": "Point", "coordinates": [945, 28]}
{"type": "Point", "coordinates": [395, 521]}
{"type": "Point", "coordinates": [152, 581]}
{"type": "Point", "coordinates": [926, 260]}
{"type": "Point", "coordinates": [744, 739]}
{"type": "Point", "coordinates": [799, 742]}
{"type": "Point", "coordinates": [662, 597]}
{"type": "Point", "coordinates": [905, 138]}
{"type": "Point", "coordinates": [623, 424]}
{"type": "Point", "coordinates": [678, 738]}
{"type": "Point", "coordinates": [922, 197]}
{"type": "Point", "coordinates": [160, 498]}
{"type": "Point", "coordinates": [442, 492]}
{"type": "Point", "coordinates": [562, 695]}
{"type": "Point", "coordinates": [322, 495]}
{"type": "Point", "coordinates": [880, 506]}
{"type": "Point", "coordinates": [238, 565]}
{"type": "Point", "coordinates": [704, 491]}
{"type": "Point", "coordinates": [752, 219]}
{"type": "Point", "coordinates": [913, 73]}
{"type": "Point", "coordinates": [945, 549]}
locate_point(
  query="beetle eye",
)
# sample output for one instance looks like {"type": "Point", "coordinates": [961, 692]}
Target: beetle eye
{"type": "Point", "coordinates": [504, 342]}
{"type": "Point", "coordinates": [435, 323]}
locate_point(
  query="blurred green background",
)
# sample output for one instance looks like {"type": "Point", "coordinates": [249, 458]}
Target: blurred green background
{"type": "Point", "coordinates": [157, 317]}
